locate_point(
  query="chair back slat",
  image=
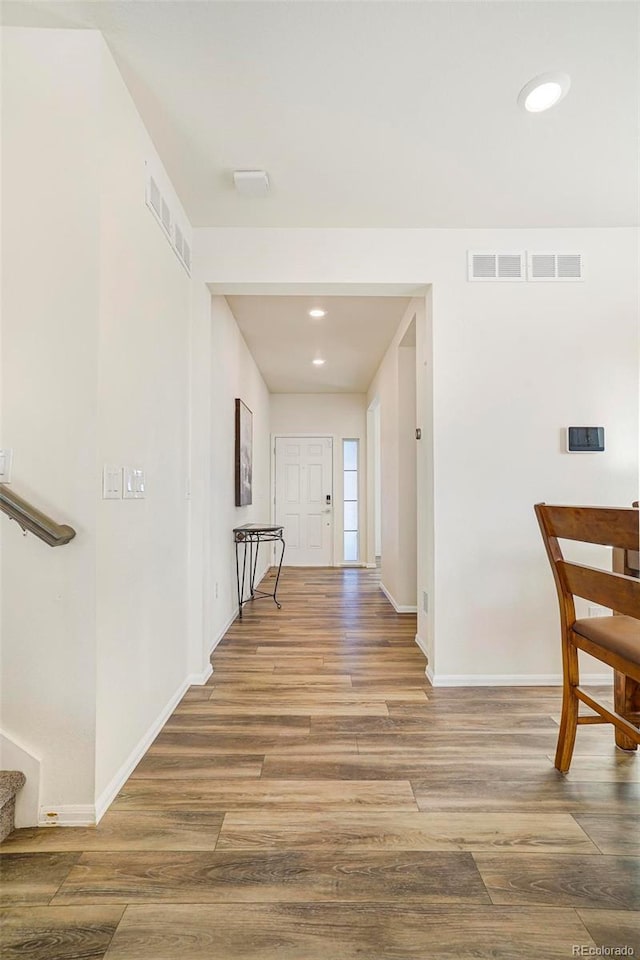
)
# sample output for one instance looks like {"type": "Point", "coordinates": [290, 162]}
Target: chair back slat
{"type": "Point", "coordinates": [609, 526]}
{"type": "Point", "coordinates": [613, 590]}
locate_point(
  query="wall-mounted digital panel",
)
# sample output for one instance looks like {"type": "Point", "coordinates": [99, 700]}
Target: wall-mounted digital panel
{"type": "Point", "coordinates": [585, 439]}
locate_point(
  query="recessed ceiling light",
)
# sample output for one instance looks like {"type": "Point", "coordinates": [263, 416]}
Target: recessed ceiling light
{"type": "Point", "coordinates": [317, 312]}
{"type": "Point", "coordinates": [318, 362]}
{"type": "Point", "coordinates": [544, 91]}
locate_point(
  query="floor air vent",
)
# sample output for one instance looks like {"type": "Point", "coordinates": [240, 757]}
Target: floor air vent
{"type": "Point", "coordinates": [555, 266]}
{"type": "Point", "coordinates": [495, 266]}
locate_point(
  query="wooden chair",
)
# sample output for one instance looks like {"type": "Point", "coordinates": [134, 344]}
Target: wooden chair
{"type": "Point", "coordinates": [612, 640]}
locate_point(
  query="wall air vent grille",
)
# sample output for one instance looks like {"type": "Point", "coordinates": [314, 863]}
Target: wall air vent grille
{"type": "Point", "coordinates": [186, 256]}
{"type": "Point", "coordinates": [495, 266]}
{"type": "Point", "coordinates": [166, 216]}
{"type": "Point", "coordinates": [178, 240]}
{"type": "Point", "coordinates": [182, 248]}
{"type": "Point", "coordinates": [155, 198]}
{"type": "Point", "coordinates": [161, 209]}
{"type": "Point", "coordinates": [555, 266]}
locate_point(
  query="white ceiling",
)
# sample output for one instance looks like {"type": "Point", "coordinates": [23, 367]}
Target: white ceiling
{"type": "Point", "coordinates": [284, 339]}
{"type": "Point", "coordinates": [386, 114]}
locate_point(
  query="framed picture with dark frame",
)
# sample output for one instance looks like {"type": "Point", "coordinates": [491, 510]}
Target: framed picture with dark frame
{"type": "Point", "coordinates": [244, 454]}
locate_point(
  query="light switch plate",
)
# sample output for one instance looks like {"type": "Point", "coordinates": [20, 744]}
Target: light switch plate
{"type": "Point", "coordinates": [6, 459]}
{"type": "Point", "coordinates": [134, 484]}
{"type": "Point", "coordinates": [111, 483]}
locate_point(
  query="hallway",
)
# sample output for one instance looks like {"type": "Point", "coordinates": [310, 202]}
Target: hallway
{"type": "Point", "coordinates": [318, 800]}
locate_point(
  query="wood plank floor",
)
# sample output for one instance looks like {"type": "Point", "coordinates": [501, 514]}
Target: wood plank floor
{"type": "Point", "coordinates": [318, 800]}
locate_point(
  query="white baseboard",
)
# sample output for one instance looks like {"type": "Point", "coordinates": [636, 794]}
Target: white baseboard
{"type": "Point", "coordinates": [223, 630]}
{"type": "Point", "coordinates": [511, 679]}
{"type": "Point", "coordinates": [113, 787]}
{"type": "Point", "coordinates": [67, 815]}
{"type": "Point", "coordinates": [399, 608]}
{"type": "Point", "coordinates": [234, 616]}
{"type": "Point", "coordinates": [371, 566]}
{"type": "Point", "coordinates": [423, 646]}
{"type": "Point", "coordinates": [83, 815]}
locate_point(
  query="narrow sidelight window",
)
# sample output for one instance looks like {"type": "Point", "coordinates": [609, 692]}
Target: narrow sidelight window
{"type": "Point", "coordinates": [350, 463]}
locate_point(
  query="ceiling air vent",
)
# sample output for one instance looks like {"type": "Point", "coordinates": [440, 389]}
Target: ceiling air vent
{"type": "Point", "coordinates": [495, 266]}
{"type": "Point", "coordinates": [554, 266]}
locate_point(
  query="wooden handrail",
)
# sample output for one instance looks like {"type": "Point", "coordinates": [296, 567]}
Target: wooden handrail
{"type": "Point", "coordinates": [29, 518]}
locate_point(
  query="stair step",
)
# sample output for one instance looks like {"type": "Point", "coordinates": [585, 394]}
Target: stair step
{"type": "Point", "coordinates": [10, 782]}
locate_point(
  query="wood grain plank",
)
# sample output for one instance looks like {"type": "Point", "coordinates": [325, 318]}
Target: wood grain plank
{"type": "Point", "coordinates": [194, 741]}
{"type": "Point", "coordinates": [376, 766]}
{"type": "Point", "coordinates": [569, 881]}
{"type": "Point", "coordinates": [614, 928]}
{"type": "Point", "coordinates": [616, 768]}
{"type": "Point", "coordinates": [31, 878]}
{"type": "Point", "coordinates": [436, 744]}
{"type": "Point", "coordinates": [257, 794]}
{"type": "Point", "coordinates": [363, 931]}
{"type": "Point", "coordinates": [229, 706]}
{"type": "Point", "coordinates": [58, 933]}
{"type": "Point", "coordinates": [613, 834]}
{"type": "Point", "coordinates": [406, 831]}
{"type": "Point", "coordinates": [551, 795]}
{"type": "Point", "coordinates": [418, 723]}
{"type": "Point", "coordinates": [274, 875]}
{"type": "Point", "coordinates": [189, 766]}
{"type": "Point", "coordinates": [159, 830]}
{"type": "Point", "coordinates": [274, 681]}
{"type": "Point", "coordinates": [248, 726]}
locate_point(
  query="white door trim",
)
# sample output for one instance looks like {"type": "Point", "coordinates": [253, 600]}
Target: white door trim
{"type": "Point", "coordinates": [303, 433]}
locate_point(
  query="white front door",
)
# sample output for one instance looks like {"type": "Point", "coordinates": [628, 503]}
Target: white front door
{"type": "Point", "coordinates": [304, 499]}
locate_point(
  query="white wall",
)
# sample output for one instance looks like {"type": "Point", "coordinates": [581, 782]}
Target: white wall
{"type": "Point", "coordinates": [342, 416]}
{"type": "Point", "coordinates": [407, 450]}
{"type": "Point", "coordinates": [144, 305]}
{"type": "Point", "coordinates": [95, 370]}
{"type": "Point", "coordinates": [393, 390]}
{"type": "Point", "coordinates": [233, 374]}
{"type": "Point", "coordinates": [50, 233]}
{"type": "Point", "coordinates": [513, 364]}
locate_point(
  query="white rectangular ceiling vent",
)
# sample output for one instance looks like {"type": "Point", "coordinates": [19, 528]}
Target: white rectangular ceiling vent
{"type": "Point", "coordinates": [495, 266]}
{"type": "Point", "coordinates": [554, 266]}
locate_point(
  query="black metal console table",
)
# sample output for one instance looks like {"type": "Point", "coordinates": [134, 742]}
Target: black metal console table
{"type": "Point", "coordinates": [250, 535]}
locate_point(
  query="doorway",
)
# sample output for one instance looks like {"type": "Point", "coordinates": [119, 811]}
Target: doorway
{"type": "Point", "coordinates": [304, 499]}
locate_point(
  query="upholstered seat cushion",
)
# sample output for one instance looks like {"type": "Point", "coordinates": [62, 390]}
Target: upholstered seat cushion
{"type": "Point", "coordinates": [620, 635]}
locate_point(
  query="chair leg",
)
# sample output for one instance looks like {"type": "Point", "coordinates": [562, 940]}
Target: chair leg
{"type": "Point", "coordinates": [626, 699]}
{"type": "Point", "coordinates": [570, 703]}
